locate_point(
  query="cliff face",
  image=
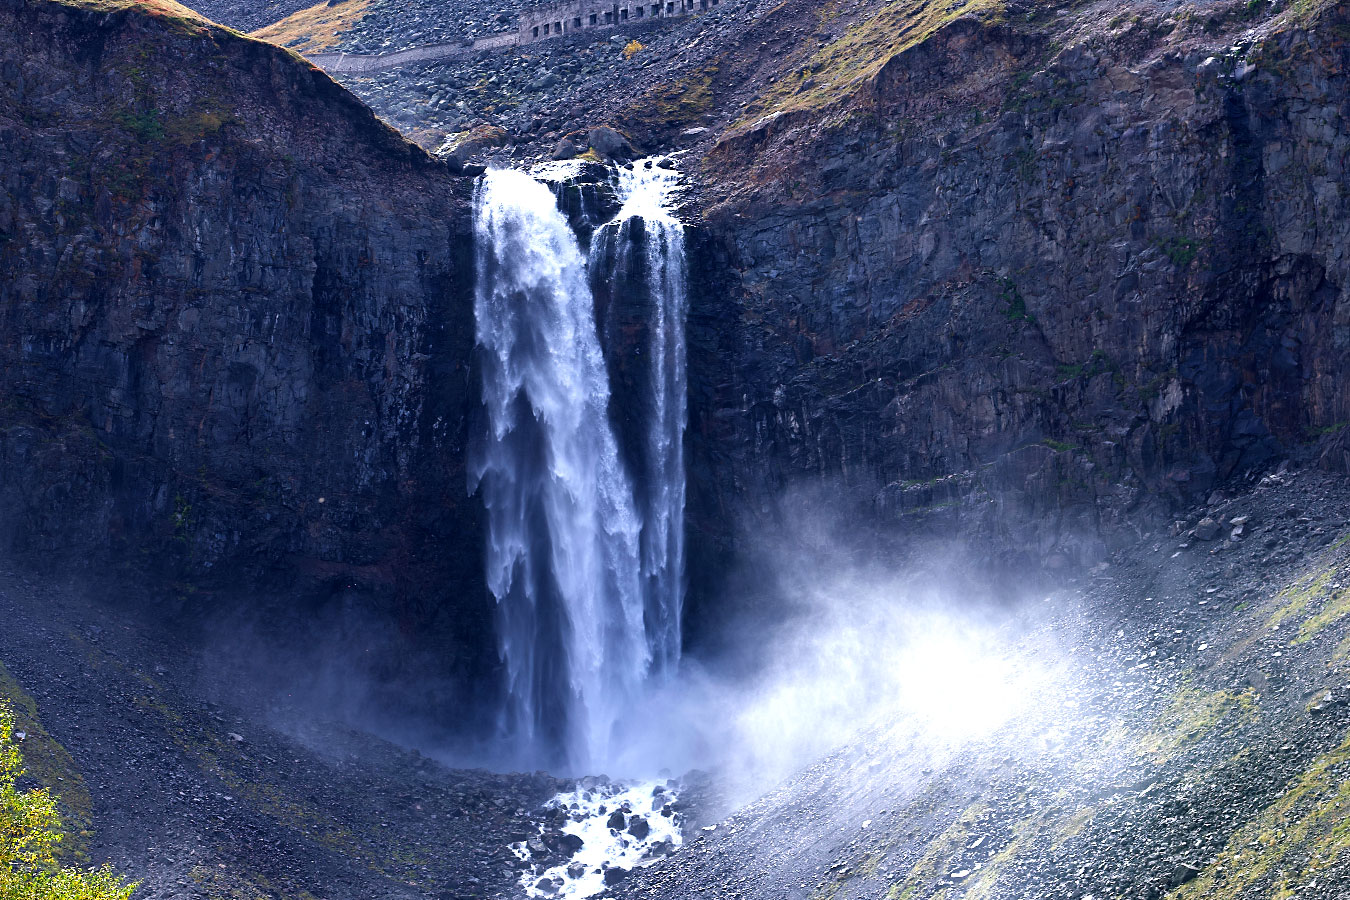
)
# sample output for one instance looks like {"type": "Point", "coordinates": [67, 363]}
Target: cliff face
{"type": "Point", "coordinates": [1017, 273]}
{"type": "Point", "coordinates": [1031, 274]}
{"type": "Point", "coordinates": [236, 325]}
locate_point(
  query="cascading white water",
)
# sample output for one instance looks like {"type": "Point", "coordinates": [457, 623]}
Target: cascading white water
{"type": "Point", "coordinates": [563, 536]}
{"type": "Point", "coordinates": [586, 570]}
{"type": "Point", "coordinates": [645, 190]}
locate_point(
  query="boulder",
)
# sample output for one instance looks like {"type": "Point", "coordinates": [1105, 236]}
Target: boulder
{"type": "Point", "coordinates": [610, 144]}
{"type": "Point", "coordinates": [603, 140]}
{"type": "Point", "coordinates": [1207, 529]}
{"type": "Point", "coordinates": [459, 148]}
{"type": "Point", "coordinates": [1182, 873]}
{"type": "Point", "coordinates": [568, 148]}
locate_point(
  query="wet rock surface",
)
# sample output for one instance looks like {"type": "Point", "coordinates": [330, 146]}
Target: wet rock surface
{"type": "Point", "coordinates": [1058, 269]}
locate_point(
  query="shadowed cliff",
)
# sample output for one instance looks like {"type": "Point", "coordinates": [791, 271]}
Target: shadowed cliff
{"type": "Point", "coordinates": [235, 337]}
{"type": "Point", "coordinates": [1028, 276]}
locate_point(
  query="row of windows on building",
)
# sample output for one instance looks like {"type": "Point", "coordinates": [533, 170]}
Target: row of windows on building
{"type": "Point", "coordinates": [638, 12]}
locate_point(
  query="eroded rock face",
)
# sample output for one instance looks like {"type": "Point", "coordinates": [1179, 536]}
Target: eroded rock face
{"type": "Point", "coordinates": [236, 328]}
{"type": "Point", "coordinates": [1020, 290]}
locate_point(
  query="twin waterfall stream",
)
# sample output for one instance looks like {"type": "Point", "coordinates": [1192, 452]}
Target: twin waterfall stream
{"type": "Point", "coordinates": [584, 495]}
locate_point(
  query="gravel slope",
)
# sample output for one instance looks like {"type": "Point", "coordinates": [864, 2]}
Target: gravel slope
{"type": "Point", "coordinates": [1199, 746]}
{"type": "Point", "coordinates": [199, 791]}
{"type": "Point", "coordinates": [1191, 750]}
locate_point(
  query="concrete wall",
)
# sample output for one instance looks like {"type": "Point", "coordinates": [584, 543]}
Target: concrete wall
{"type": "Point", "coordinates": [584, 15]}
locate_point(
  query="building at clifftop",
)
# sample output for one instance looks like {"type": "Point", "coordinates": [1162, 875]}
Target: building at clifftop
{"type": "Point", "coordinates": [583, 15]}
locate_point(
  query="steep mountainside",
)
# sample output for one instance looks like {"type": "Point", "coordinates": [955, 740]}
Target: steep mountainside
{"type": "Point", "coordinates": [1040, 270]}
{"type": "Point", "coordinates": [237, 328]}
{"type": "Point", "coordinates": [248, 15]}
{"type": "Point", "coordinates": [1015, 269]}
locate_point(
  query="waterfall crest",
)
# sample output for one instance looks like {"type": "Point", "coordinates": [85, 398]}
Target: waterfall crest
{"type": "Point", "coordinates": [585, 561]}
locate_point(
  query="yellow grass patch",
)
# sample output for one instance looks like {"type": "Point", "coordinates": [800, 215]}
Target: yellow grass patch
{"type": "Point", "coordinates": [317, 26]}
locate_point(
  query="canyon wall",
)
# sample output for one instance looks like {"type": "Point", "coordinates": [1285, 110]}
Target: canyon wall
{"type": "Point", "coordinates": [1030, 282]}
{"type": "Point", "coordinates": [236, 332]}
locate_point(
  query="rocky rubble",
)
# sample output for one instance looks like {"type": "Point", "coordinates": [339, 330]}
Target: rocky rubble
{"type": "Point", "coordinates": [1198, 751]}
{"type": "Point", "coordinates": [206, 785]}
{"type": "Point", "coordinates": [390, 25]}
{"type": "Point", "coordinates": [248, 15]}
{"type": "Point", "coordinates": [542, 91]}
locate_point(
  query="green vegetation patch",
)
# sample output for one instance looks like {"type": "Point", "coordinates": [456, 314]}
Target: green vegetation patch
{"type": "Point", "coordinates": [1191, 715]}
{"type": "Point", "coordinates": [1336, 608]}
{"type": "Point", "coordinates": [1016, 309]}
{"type": "Point", "coordinates": [1299, 835]}
{"type": "Point", "coordinates": [1182, 251]}
{"type": "Point", "coordinates": [678, 103]}
{"type": "Point", "coordinates": [50, 765]}
{"type": "Point", "coordinates": [865, 48]}
{"type": "Point", "coordinates": [31, 835]}
{"type": "Point", "coordinates": [938, 857]}
{"type": "Point", "coordinates": [1295, 598]}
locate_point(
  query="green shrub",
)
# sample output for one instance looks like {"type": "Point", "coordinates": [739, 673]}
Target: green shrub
{"type": "Point", "coordinates": [30, 830]}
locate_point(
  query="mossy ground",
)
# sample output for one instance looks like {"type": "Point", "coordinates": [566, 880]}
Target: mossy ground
{"type": "Point", "coordinates": [51, 766]}
{"type": "Point", "coordinates": [1289, 843]}
{"type": "Point", "coordinates": [938, 856]}
{"type": "Point", "coordinates": [1192, 714]}
{"type": "Point", "coordinates": [875, 38]}
{"type": "Point", "coordinates": [682, 103]}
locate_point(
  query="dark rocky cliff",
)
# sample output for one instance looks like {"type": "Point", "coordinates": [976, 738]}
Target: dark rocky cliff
{"type": "Point", "coordinates": [236, 330]}
{"type": "Point", "coordinates": [1031, 275]}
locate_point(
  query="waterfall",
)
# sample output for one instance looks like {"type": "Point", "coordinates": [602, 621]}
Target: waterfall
{"type": "Point", "coordinates": [584, 561]}
{"type": "Point", "coordinates": [645, 243]}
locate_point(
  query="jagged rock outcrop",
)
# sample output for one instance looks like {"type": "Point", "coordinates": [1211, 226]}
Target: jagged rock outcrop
{"type": "Point", "coordinates": [236, 329]}
{"type": "Point", "coordinates": [1028, 277]}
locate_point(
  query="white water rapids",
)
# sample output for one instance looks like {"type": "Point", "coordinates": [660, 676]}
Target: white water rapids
{"type": "Point", "coordinates": [619, 827]}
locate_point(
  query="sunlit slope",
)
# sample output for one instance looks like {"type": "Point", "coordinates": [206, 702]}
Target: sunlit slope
{"type": "Point", "coordinates": [315, 29]}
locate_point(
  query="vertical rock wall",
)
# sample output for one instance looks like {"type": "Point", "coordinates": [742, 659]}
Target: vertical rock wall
{"type": "Point", "coordinates": [236, 330]}
{"type": "Point", "coordinates": [1025, 285]}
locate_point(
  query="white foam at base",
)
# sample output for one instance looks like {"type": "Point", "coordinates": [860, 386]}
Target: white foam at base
{"type": "Point", "coordinates": [603, 847]}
